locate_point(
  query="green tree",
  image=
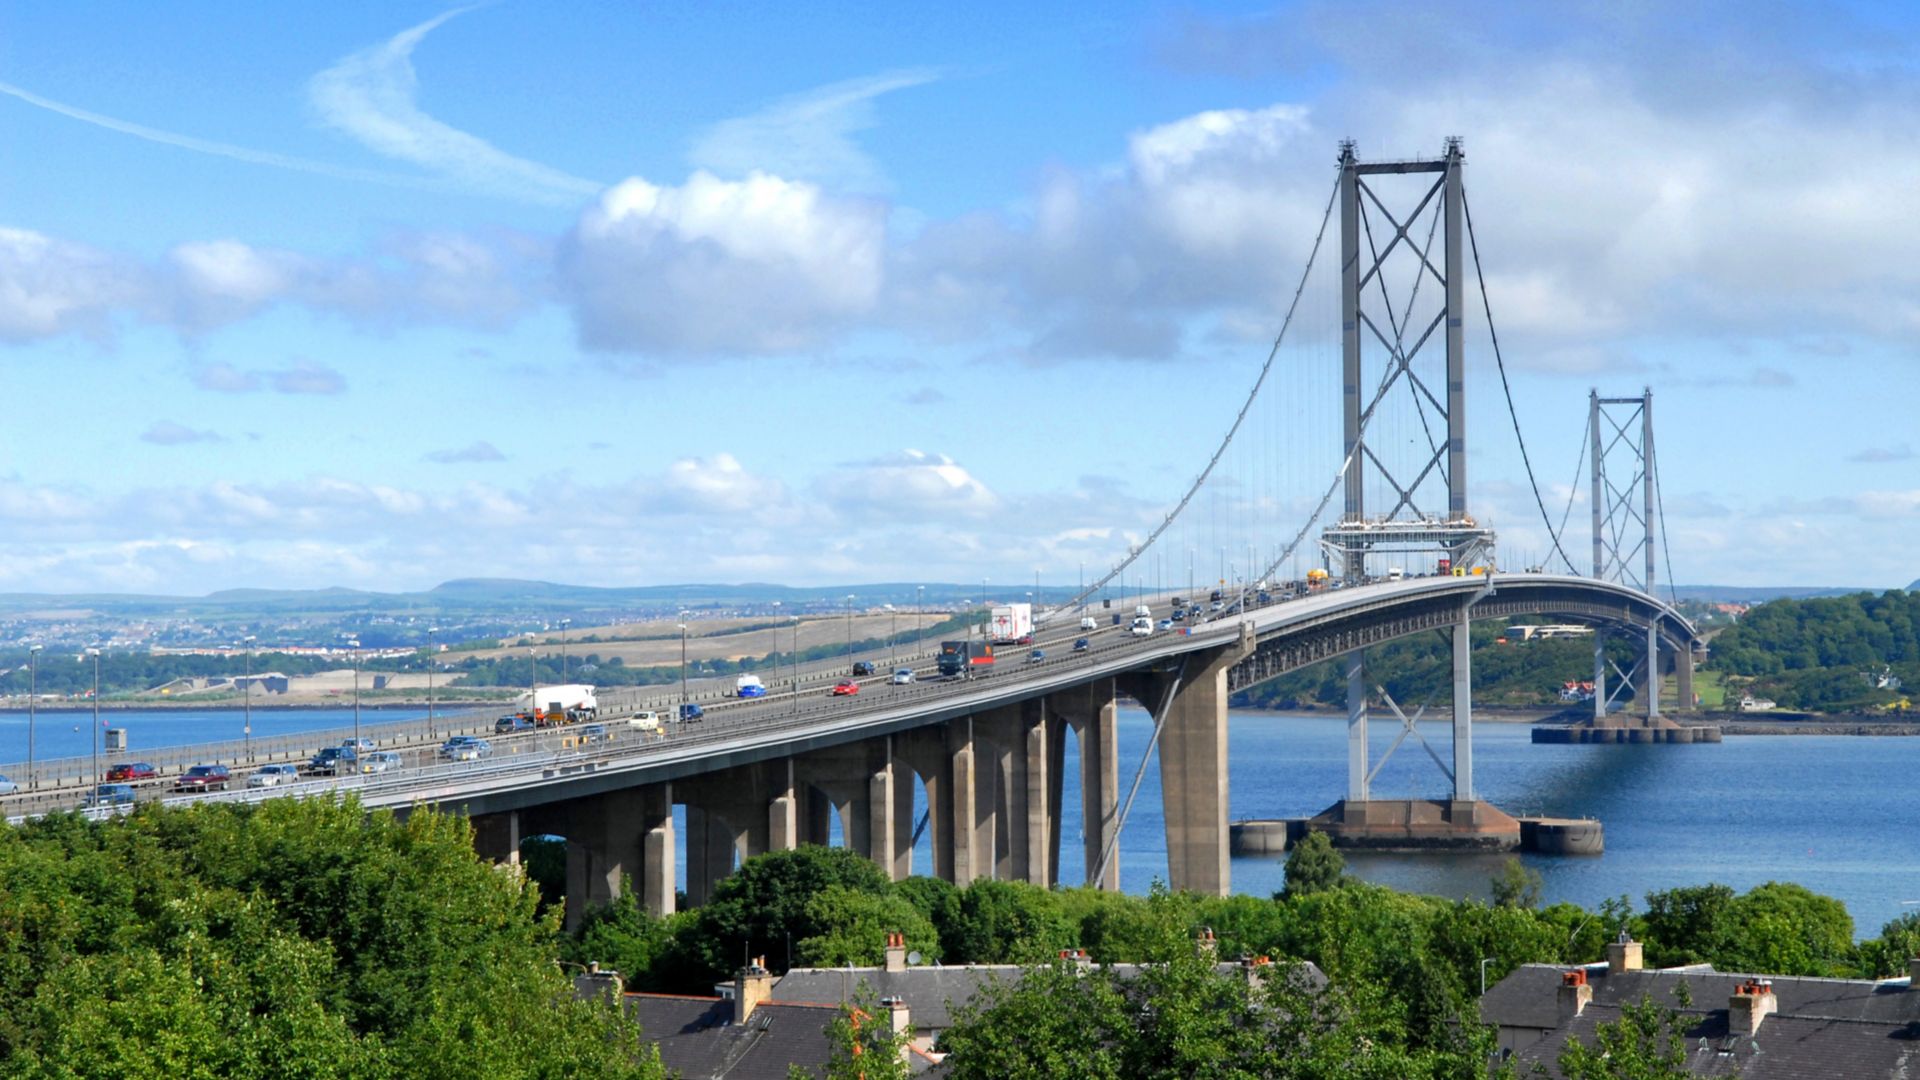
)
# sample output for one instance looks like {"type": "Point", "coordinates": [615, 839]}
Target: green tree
{"type": "Point", "coordinates": [853, 927]}
{"type": "Point", "coordinates": [863, 1045]}
{"type": "Point", "coordinates": [1888, 954]}
{"type": "Point", "coordinates": [1005, 922]}
{"type": "Point", "coordinates": [1313, 866]}
{"type": "Point", "coordinates": [1648, 1042]}
{"type": "Point", "coordinates": [1784, 929]}
{"type": "Point", "coordinates": [1516, 885]}
{"type": "Point", "coordinates": [1687, 925]}
{"type": "Point", "coordinates": [761, 908]}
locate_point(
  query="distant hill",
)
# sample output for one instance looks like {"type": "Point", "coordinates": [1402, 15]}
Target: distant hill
{"type": "Point", "coordinates": [1915, 587]}
{"type": "Point", "coordinates": [1758, 594]}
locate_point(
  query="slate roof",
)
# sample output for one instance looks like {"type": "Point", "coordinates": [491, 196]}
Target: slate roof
{"type": "Point", "coordinates": [699, 1041]}
{"type": "Point", "coordinates": [1824, 1028]}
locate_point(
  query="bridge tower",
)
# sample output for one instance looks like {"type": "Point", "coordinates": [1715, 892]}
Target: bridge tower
{"type": "Point", "coordinates": [1404, 408]}
{"type": "Point", "coordinates": [1620, 446]}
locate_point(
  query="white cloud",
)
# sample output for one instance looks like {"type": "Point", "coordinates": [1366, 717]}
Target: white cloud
{"type": "Point", "coordinates": [308, 378]}
{"type": "Point", "coordinates": [760, 265]}
{"type": "Point", "coordinates": [808, 136]}
{"type": "Point", "coordinates": [168, 433]}
{"type": "Point", "coordinates": [50, 287]}
{"type": "Point", "coordinates": [370, 96]}
{"type": "Point", "coordinates": [911, 484]}
{"type": "Point", "coordinates": [477, 451]}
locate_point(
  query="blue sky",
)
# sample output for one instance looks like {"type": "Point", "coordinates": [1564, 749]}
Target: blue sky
{"type": "Point", "coordinates": [382, 295]}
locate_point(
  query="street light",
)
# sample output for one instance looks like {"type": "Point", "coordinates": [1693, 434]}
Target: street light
{"type": "Point", "coordinates": [354, 644]}
{"type": "Point", "coordinates": [95, 653]}
{"type": "Point", "coordinates": [564, 623]}
{"type": "Point", "coordinates": [849, 634]}
{"type": "Point", "coordinates": [431, 630]}
{"type": "Point", "coordinates": [919, 623]}
{"type": "Point", "coordinates": [893, 632]}
{"type": "Point", "coordinates": [533, 685]}
{"type": "Point", "coordinates": [33, 692]}
{"type": "Point", "coordinates": [246, 725]}
{"type": "Point", "coordinates": [683, 667]}
{"type": "Point", "coordinates": [796, 665]}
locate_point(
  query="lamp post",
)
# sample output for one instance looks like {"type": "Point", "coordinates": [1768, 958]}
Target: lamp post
{"type": "Point", "coordinates": [564, 623]}
{"type": "Point", "coordinates": [354, 644]}
{"type": "Point", "coordinates": [893, 632]}
{"type": "Point", "coordinates": [431, 630]}
{"type": "Point", "coordinates": [33, 694]}
{"type": "Point", "coordinates": [849, 635]}
{"type": "Point", "coordinates": [796, 665]}
{"type": "Point", "coordinates": [95, 653]}
{"type": "Point", "coordinates": [246, 725]}
{"type": "Point", "coordinates": [985, 616]}
{"type": "Point", "coordinates": [919, 623]}
{"type": "Point", "coordinates": [533, 685]}
{"type": "Point", "coordinates": [683, 667]}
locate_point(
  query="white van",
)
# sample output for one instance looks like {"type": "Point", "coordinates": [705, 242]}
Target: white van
{"type": "Point", "coordinates": [1089, 623]}
{"type": "Point", "coordinates": [1143, 626]}
{"type": "Point", "coordinates": [645, 720]}
{"type": "Point", "coordinates": [1395, 573]}
{"type": "Point", "coordinates": [1143, 612]}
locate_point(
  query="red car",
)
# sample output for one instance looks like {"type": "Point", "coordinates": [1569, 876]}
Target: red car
{"type": "Point", "coordinates": [204, 778]}
{"type": "Point", "coordinates": [132, 770]}
{"type": "Point", "coordinates": [846, 688]}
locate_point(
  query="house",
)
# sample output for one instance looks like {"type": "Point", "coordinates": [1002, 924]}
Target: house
{"type": "Point", "coordinates": [1759, 1027]}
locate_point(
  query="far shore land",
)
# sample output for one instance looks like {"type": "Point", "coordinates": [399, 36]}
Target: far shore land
{"type": "Point", "coordinates": [1775, 723]}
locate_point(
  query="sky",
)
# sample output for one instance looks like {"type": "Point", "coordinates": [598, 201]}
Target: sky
{"type": "Point", "coordinates": [382, 295]}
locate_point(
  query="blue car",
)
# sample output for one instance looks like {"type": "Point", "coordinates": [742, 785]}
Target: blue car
{"type": "Point", "coordinates": [690, 712]}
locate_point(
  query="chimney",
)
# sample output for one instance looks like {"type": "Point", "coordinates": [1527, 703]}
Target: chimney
{"type": "Point", "coordinates": [1209, 947]}
{"type": "Point", "coordinates": [1750, 1004]}
{"type": "Point", "coordinates": [1913, 973]}
{"type": "Point", "coordinates": [598, 982]}
{"type": "Point", "coordinates": [752, 985]}
{"type": "Point", "coordinates": [1624, 955]}
{"type": "Point", "coordinates": [1574, 993]}
{"type": "Point", "coordinates": [896, 951]}
{"type": "Point", "coordinates": [1077, 957]}
{"type": "Point", "coordinates": [1256, 968]}
{"type": "Point", "coordinates": [897, 1011]}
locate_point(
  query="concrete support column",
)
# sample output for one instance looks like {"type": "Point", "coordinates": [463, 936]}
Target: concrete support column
{"type": "Point", "coordinates": [1043, 808]}
{"type": "Point", "coordinates": [876, 835]}
{"type": "Point", "coordinates": [496, 837]}
{"type": "Point", "coordinates": [1357, 751]}
{"type": "Point", "coordinates": [1463, 708]}
{"type": "Point", "coordinates": [1193, 778]}
{"type": "Point", "coordinates": [656, 877]}
{"type": "Point", "coordinates": [925, 752]}
{"type": "Point", "coordinates": [783, 826]}
{"type": "Point", "coordinates": [1653, 673]}
{"type": "Point", "coordinates": [1599, 672]}
{"type": "Point", "coordinates": [603, 847]}
{"type": "Point", "coordinates": [970, 861]}
{"type": "Point", "coordinates": [1683, 675]}
{"type": "Point", "coordinates": [905, 783]}
{"type": "Point", "coordinates": [1094, 717]}
{"type": "Point", "coordinates": [1000, 747]}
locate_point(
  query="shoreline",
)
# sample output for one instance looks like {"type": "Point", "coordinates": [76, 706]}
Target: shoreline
{"type": "Point", "coordinates": [1862, 724]}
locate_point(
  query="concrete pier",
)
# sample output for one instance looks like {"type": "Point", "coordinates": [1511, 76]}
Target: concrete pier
{"type": "Point", "coordinates": [1421, 825]}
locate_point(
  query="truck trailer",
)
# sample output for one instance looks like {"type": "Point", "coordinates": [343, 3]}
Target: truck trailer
{"type": "Point", "coordinates": [1011, 624]}
{"type": "Point", "coordinates": [961, 659]}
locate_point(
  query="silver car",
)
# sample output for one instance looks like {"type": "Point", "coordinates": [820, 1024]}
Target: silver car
{"type": "Point", "coordinates": [274, 776]}
{"type": "Point", "coordinates": [8, 787]}
{"type": "Point", "coordinates": [380, 761]}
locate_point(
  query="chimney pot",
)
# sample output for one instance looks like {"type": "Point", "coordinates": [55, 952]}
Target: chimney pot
{"type": "Point", "coordinates": [752, 985]}
{"type": "Point", "coordinates": [1751, 1003]}
{"type": "Point", "coordinates": [1575, 993]}
{"type": "Point", "coordinates": [896, 951]}
{"type": "Point", "coordinates": [898, 1015]}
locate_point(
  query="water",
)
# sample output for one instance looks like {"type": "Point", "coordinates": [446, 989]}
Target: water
{"type": "Point", "coordinates": [1828, 812]}
{"type": "Point", "coordinates": [69, 734]}
{"type": "Point", "coordinates": [1831, 813]}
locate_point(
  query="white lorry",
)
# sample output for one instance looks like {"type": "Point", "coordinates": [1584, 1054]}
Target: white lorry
{"type": "Point", "coordinates": [1011, 624]}
{"type": "Point", "coordinates": [566, 703]}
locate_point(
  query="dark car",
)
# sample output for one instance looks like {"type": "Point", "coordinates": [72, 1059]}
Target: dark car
{"type": "Point", "coordinates": [691, 713]}
{"type": "Point", "coordinates": [1081, 645]}
{"type": "Point", "coordinates": [508, 725]}
{"type": "Point", "coordinates": [111, 795]}
{"type": "Point", "coordinates": [132, 771]}
{"type": "Point", "coordinates": [863, 667]}
{"type": "Point", "coordinates": [204, 778]}
{"type": "Point", "coordinates": [332, 760]}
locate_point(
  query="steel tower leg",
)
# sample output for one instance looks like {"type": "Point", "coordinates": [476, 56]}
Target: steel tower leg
{"type": "Point", "coordinates": [1351, 404]}
{"type": "Point", "coordinates": [1597, 454]}
{"type": "Point", "coordinates": [1456, 344]}
{"type": "Point", "coordinates": [1646, 490]}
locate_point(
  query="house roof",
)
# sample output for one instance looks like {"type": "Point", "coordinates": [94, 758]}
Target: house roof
{"type": "Point", "coordinates": [1822, 1028]}
{"type": "Point", "coordinates": [699, 1041]}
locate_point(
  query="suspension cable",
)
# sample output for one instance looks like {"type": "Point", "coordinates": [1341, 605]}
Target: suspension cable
{"type": "Point", "coordinates": [1487, 306]}
{"type": "Point", "coordinates": [1660, 504]}
{"type": "Point", "coordinates": [1272, 354]}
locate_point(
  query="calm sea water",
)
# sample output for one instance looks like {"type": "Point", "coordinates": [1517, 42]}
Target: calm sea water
{"type": "Point", "coordinates": [1833, 813]}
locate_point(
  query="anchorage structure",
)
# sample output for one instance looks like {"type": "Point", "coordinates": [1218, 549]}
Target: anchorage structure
{"type": "Point", "coordinates": [1620, 434]}
{"type": "Point", "coordinates": [1390, 376]}
{"type": "Point", "coordinates": [1405, 420]}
